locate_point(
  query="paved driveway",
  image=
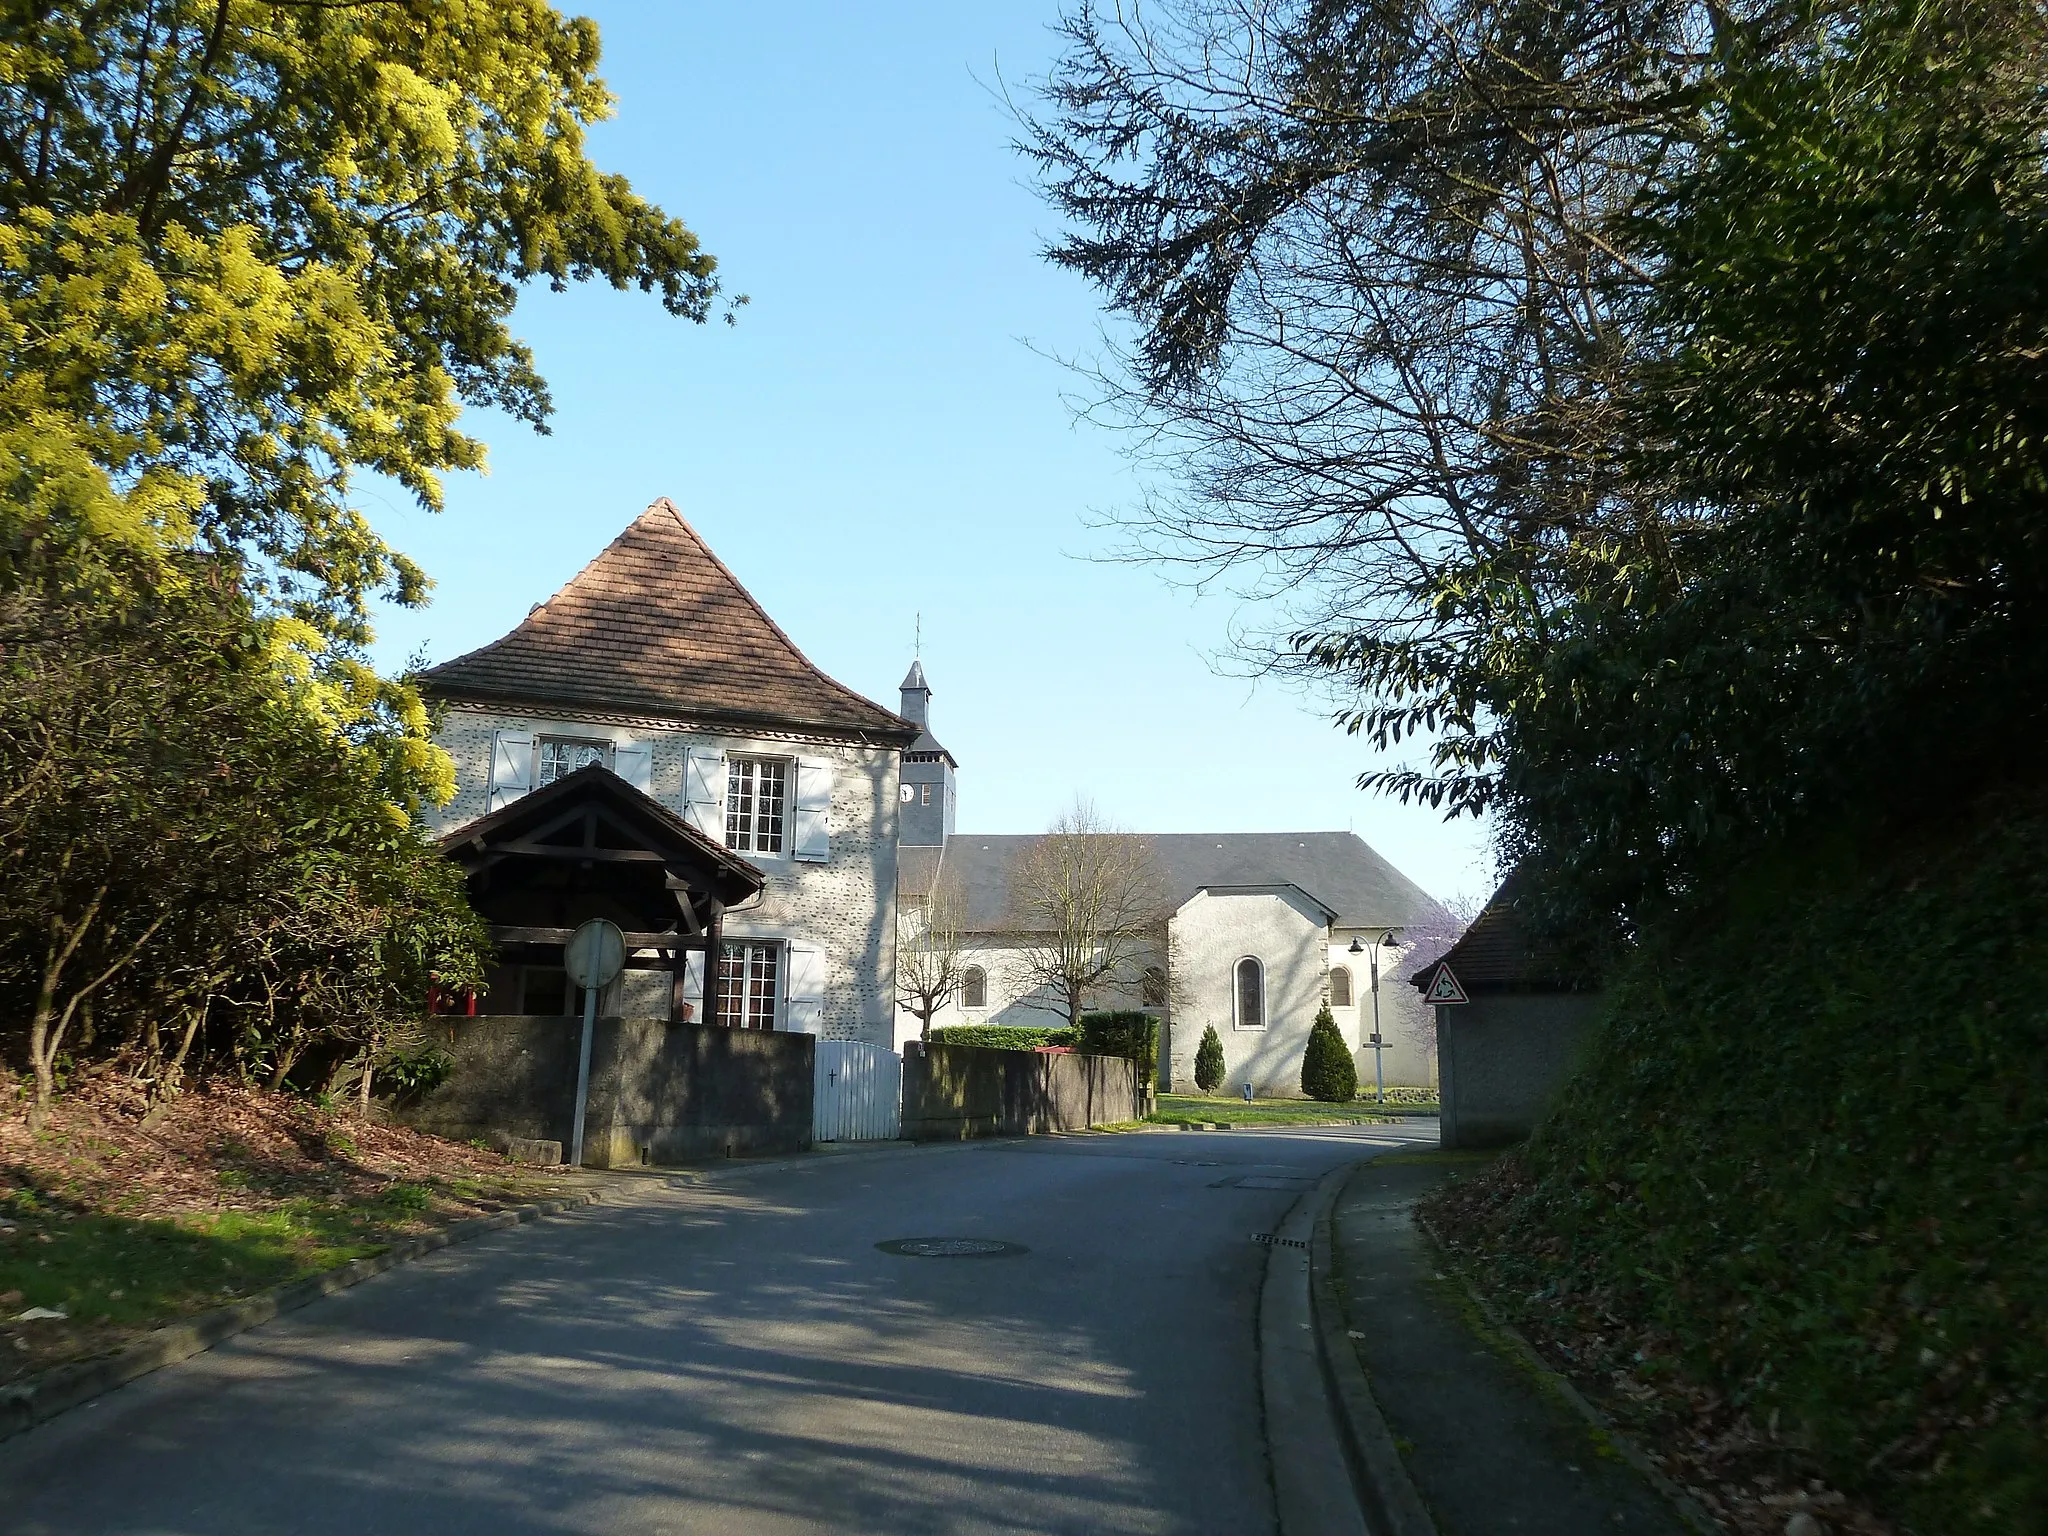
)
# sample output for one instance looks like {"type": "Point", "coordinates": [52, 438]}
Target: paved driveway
{"type": "Point", "coordinates": [739, 1357]}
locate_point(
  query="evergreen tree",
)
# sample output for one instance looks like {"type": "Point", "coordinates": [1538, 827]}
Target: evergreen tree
{"type": "Point", "coordinates": [1209, 1061]}
{"type": "Point", "coordinates": [1327, 1070]}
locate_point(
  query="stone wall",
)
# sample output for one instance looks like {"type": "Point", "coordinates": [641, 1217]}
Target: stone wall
{"type": "Point", "coordinates": [1503, 1057]}
{"type": "Point", "coordinates": [846, 905]}
{"type": "Point", "coordinates": [959, 1092]}
{"type": "Point", "coordinates": [659, 1092]}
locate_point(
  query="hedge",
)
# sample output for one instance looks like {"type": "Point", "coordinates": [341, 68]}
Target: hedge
{"type": "Point", "coordinates": [1003, 1037]}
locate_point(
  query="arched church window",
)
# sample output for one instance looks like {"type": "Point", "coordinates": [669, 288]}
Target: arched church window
{"type": "Point", "coordinates": [974, 987]}
{"type": "Point", "coordinates": [1251, 994]}
{"type": "Point", "coordinates": [1340, 986]}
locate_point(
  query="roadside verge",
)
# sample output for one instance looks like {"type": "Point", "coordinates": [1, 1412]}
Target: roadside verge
{"type": "Point", "coordinates": [40, 1398]}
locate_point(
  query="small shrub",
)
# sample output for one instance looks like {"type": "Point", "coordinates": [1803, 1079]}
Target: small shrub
{"type": "Point", "coordinates": [414, 1073]}
{"type": "Point", "coordinates": [1327, 1071]}
{"type": "Point", "coordinates": [1209, 1061]}
{"type": "Point", "coordinates": [407, 1197]}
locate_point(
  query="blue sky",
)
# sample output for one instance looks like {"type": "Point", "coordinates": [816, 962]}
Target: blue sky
{"type": "Point", "coordinates": [880, 437]}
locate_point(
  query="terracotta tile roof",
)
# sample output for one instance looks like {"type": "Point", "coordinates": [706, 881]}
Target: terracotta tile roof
{"type": "Point", "coordinates": [1499, 953]}
{"type": "Point", "coordinates": [656, 622]}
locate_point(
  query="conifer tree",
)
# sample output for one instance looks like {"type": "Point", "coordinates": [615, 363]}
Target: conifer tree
{"type": "Point", "coordinates": [1327, 1070]}
{"type": "Point", "coordinates": [1209, 1061]}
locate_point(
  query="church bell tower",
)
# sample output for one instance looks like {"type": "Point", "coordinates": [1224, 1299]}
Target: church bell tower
{"type": "Point", "coordinates": [928, 786]}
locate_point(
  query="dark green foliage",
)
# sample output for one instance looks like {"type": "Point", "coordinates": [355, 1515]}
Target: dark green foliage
{"type": "Point", "coordinates": [1818, 1175]}
{"type": "Point", "coordinates": [196, 864]}
{"type": "Point", "coordinates": [1003, 1037]}
{"type": "Point", "coordinates": [414, 1070]}
{"type": "Point", "coordinates": [1327, 1070]}
{"type": "Point", "coordinates": [1130, 1033]}
{"type": "Point", "coordinates": [1840, 404]}
{"type": "Point", "coordinates": [1209, 1061]}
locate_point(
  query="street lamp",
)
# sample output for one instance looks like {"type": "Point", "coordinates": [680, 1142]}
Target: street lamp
{"type": "Point", "coordinates": [1358, 947]}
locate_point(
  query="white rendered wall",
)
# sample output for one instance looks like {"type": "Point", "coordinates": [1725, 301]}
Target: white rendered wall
{"type": "Point", "coordinates": [846, 905]}
{"type": "Point", "coordinates": [1405, 1022]}
{"type": "Point", "coordinates": [1011, 998]}
{"type": "Point", "coordinates": [1290, 937]}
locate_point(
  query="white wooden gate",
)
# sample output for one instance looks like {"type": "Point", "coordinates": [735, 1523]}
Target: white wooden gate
{"type": "Point", "coordinates": [857, 1094]}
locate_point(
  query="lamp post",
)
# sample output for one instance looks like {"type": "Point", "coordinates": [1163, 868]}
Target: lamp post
{"type": "Point", "coordinates": [1358, 947]}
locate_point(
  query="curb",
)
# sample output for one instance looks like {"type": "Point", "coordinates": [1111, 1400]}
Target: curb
{"type": "Point", "coordinates": [1385, 1488]}
{"type": "Point", "coordinates": [42, 1397]}
{"type": "Point", "coordinates": [1316, 1490]}
{"type": "Point", "coordinates": [1688, 1508]}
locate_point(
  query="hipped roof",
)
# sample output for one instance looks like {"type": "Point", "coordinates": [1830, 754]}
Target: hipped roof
{"type": "Point", "coordinates": [656, 624]}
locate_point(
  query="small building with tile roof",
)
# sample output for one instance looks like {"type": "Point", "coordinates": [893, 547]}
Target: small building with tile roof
{"type": "Point", "coordinates": [655, 663]}
{"type": "Point", "coordinates": [1512, 1015]}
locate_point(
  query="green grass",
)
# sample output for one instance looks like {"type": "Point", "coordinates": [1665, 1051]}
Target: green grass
{"type": "Point", "coordinates": [134, 1273]}
{"type": "Point", "coordinates": [1806, 1168]}
{"type": "Point", "coordinates": [1176, 1107]}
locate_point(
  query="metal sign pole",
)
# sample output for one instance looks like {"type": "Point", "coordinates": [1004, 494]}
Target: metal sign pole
{"type": "Point", "coordinates": [593, 957]}
{"type": "Point", "coordinates": [583, 1075]}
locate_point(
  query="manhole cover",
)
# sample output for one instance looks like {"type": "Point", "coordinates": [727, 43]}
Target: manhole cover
{"type": "Point", "coordinates": [952, 1248]}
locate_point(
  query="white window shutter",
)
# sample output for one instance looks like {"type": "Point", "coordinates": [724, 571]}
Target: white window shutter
{"type": "Point", "coordinates": [806, 989]}
{"type": "Point", "coordinates": [633, 761]}
{"type": "Point", "coordinates": [704, 792]}
{"type": "Point", "coordinates": [813, 810]}
{"type": "Point", "coordinates": [511, 767]}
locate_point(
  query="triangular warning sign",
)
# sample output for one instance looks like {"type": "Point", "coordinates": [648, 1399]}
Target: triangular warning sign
{"type": "Point", "coordinates": [1444, 988]}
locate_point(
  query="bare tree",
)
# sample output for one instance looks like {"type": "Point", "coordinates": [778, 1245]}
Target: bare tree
{"type": "Point", "coordinates": [928, 959]}
{"type": "Point", "coordinates": [1375, 298]}
{"type": "Point", "coordinates": [1090, 903]}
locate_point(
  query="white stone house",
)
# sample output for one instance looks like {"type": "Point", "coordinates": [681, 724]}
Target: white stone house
{"type": "Point", "coordinates": [1264, 928]}
{"type": "Point", "coordinates": [657, 664]}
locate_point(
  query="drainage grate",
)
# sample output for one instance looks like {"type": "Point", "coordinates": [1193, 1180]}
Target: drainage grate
{"type": "Point", "coordinates": [1277, 1241]}
{"type": "Point", "coordinates": [952, 1248]}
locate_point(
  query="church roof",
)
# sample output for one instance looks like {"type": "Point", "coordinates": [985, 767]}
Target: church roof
{"type": "Point", "coordinates": [915, 678]}
{"type": "Point", "coordinates": [657, 624]}
{"type": "Point", "coordinates": [1336, 869]}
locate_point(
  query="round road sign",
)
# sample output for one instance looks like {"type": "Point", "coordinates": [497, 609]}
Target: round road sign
{"type": "Point", "coordinates": [595, 954]}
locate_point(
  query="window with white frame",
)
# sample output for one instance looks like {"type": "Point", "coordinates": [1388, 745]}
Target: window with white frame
{"type": "Point", "coordinates": [974, 987]}
{"type": "Point", "coordinates": [1249, 993]}
{"type": "Point", "coordinates": [756, 796]}
{"type": "Point", "coordinates": [749, 981]}
{"type": "Point", "coordinates": [561, 756]}
{"type": "Point", "coordinates": [1340, 986]}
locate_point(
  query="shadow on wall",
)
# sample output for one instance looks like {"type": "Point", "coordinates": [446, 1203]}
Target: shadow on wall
{"type": "Point", "coordinates": [659, 1092]}
{"type": "Point", "coordinates": [957, 1092]}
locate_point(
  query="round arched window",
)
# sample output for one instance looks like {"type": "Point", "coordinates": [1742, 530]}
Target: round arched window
{"type": "Point", "coordinates": [1251, 994]}
{"type": "Point", "coordinates": [1340, 986]}
{"type": "Point", "coordinates": [974, 987]}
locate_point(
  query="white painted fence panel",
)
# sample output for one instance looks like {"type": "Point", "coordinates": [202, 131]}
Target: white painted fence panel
{"type": "Point", "coordinates": [858, 1092]}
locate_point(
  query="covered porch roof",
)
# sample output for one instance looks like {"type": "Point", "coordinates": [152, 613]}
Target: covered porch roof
{"type": "Point", "coordinates": [591, 845]}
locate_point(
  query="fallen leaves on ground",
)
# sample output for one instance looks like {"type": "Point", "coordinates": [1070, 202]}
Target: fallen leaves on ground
{"type": "Point", "coordinates": [277, 1186]}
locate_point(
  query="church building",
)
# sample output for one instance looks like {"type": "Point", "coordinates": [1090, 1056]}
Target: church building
{"type": "Point", "coordinates": [698, 780]}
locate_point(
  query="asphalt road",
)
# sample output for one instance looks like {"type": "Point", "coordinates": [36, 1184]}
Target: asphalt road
{"type": "Point", "coordinates": [740, 1357]}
